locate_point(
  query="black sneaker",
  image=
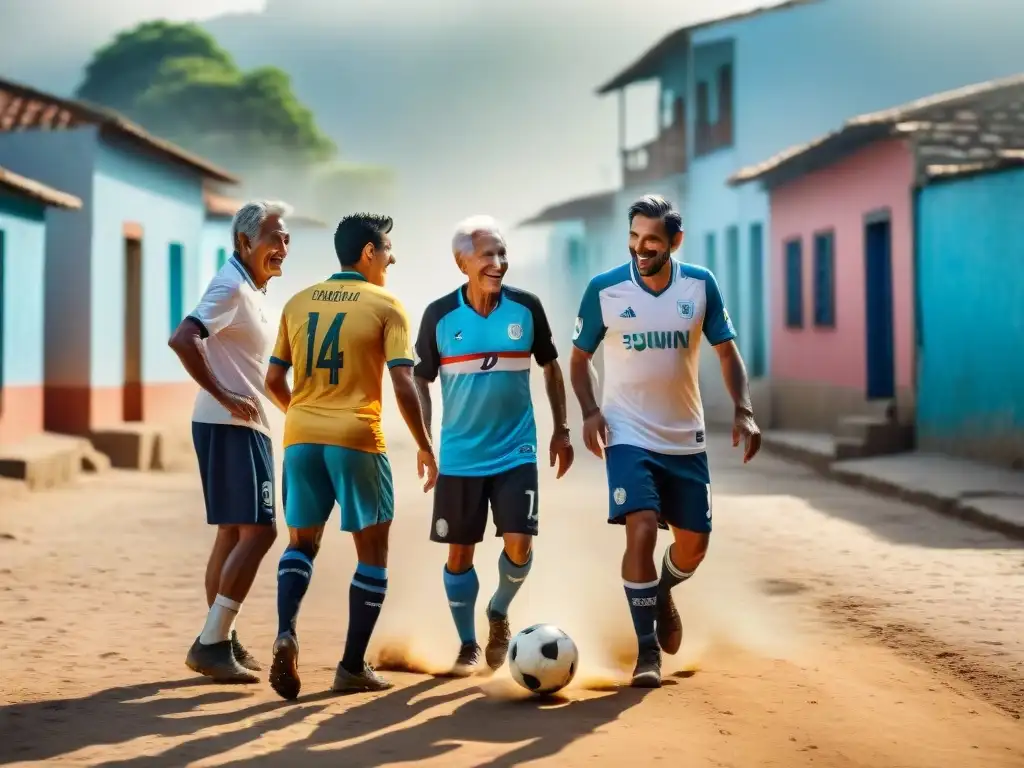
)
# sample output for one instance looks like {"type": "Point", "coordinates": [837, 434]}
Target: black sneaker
{"type": "Point", "coordinates": [217, 661]}
{"type": "Point", "coordinates": [670, 626]}
{"type": "Point", "coordinates": [242, 656]}
{"type": "Point", "coordinates": [497, 640]}
{"type": "Point", "coordinates": [467, 662]}
{"type": "Point", "coordinates": [647, 673]}
{"type": "Point", "coordinates": [366, 681]}
{"type": "Point", "coordinates": [284, 670]}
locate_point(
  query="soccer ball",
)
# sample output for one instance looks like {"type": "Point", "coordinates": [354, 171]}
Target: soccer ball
{"type": "Point", "coordinates": [543, 658]}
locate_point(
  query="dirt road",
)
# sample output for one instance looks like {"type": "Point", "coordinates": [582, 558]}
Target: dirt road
{"type": "Point", "coordinates": [827, 628]}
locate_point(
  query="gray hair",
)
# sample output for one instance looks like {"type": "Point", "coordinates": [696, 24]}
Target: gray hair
{"type": "Point", "coordinates": [462, 241]}
{"type": "Point", "coordinates": [250, 217]}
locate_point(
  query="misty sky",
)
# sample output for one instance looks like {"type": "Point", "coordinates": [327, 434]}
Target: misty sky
{"type": "Point", "coordinates": [481, 106]}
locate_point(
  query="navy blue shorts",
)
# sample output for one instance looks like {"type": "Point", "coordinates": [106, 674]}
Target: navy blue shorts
{"type": "Point", "coordinates": [236, 465]}
{"type": "Point", "coordinates": [678, 488]}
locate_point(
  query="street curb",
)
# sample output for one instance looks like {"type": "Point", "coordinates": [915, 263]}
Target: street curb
{"type": "Point", "coordinates": [943, 505]}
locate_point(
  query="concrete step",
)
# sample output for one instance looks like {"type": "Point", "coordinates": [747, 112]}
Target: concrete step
{"type": "Point", "coordinates": [130, 445]}
{"type": "Point", "coordinates": [877, 437]}
{"type": "Point", "coordinates": [849, 448]}
{"type": "Point", "coordinates": [815, 449]}
{"type": "Point", "coordinates": [44, 461]}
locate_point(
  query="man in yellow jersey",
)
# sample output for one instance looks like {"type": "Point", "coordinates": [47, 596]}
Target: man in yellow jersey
{"type": "Point", "coordinates": [337, 337]}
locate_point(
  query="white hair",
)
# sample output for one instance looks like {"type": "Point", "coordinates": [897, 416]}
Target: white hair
{"type": "Point", "coordinates": [250, 217]}
{"type": "Point", "coordinates": [462, 240]}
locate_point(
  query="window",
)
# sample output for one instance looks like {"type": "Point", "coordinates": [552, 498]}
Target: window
{"type": "Point", "coordinates": [732, 271]}
{"type": "Point", "coordinates": [176, 284]}
{"type": "Point", "coordinates": [723, 128]}
{"type": "Point", "coordinates": [758, 358]}
{"type": "Point", "coordinates": [702, 139]}
{"type": "Point", "coordinates": [222, 258]}
{"type": "Point", "coordinates": [824, 280]}
{"type": "Point", "coordinates": [710, 260]}
{"type": "Point", "coordinates": [794, 284]}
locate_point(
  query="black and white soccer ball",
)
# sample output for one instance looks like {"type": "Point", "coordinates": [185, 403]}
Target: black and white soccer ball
{"type": "Point", "coordinates": [543, 659]}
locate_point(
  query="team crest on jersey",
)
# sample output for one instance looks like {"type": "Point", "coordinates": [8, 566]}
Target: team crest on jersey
{"type": "Point", "coordinates": [515, 331]}
{"type": "Point", "coordinates": [685, 309]}
{"type": "Point", "coordinates": [619, 496]}
{"type": "Point", "coordinates": [578, 329]}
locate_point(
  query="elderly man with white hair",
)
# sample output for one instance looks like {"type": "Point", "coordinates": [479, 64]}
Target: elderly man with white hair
{"type": "Point", "coordinates": [224, 345]}
{"type": "Point", "coordinates": [479, 339]}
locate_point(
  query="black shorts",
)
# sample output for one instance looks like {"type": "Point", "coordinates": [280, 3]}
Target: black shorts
{"type": "Point", "coordinates": [236, 466]}
{"type": "Point", "coordinates": [460, 505]}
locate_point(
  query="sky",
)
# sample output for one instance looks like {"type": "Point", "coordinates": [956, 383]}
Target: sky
{"type": "Point", "coordinates": [480, 106]}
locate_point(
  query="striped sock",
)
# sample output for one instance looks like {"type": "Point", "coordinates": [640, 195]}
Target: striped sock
{"type": "Point", "coordinates": [294, 572]}
{"type": "Point", "coordinates": [365, 599]}
{"type": "Point", "coordinates": [671, 574]}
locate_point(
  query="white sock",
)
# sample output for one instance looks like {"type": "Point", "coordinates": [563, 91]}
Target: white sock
{"type": "Point", "coordinates": [219, 620]}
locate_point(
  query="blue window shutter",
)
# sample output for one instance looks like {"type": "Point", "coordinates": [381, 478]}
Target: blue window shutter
{"type": "Point", "coordinates": [794, 284]}
{"type": "Point", "coordinates": [824, 280]}
{"type": "Point", "coordinates": [758, 362]}
{"type": "Point", "coordinates": [732, 276]}
{"type": "Point", "coordinates": [710, 257]}
{"type": "Point", "coordinates": [222, 257]}
{"type": "Point", "coordinates": [176, 284]}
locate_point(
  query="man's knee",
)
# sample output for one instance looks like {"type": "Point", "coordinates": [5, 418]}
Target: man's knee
{"type": "Point", "coordinates": [689, 548]}
{"type": "Point", "coordinates": [372, 544]}
{"type": "Point", "coordinates": [258, 536]}
{"type": "Point", "coordinates": [460, 557]}
{"type": "Point", "coordinates": [641, 529]}
{"type": "Point", "coordinates": [305, 540]}
{"type": "Point", "coordinates": [518, 546]}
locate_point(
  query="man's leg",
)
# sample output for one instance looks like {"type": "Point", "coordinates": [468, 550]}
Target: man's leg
{"type": "Point", "coordinates": [459, 520]}
{"type": "Point", "coordinates": [227, 538]}
{"type": "Point", "coordinates": [366, 493]}
{"type": "Point", "coordinates": [308, 495]}
{"type": "Point", "coordinates": [687, 508]}
{"type": "Point", "coordinates": [236, 459]}
{"type": "Point", "coordinates": [514, 500]}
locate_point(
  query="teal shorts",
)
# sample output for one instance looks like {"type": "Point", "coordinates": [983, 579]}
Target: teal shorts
{"type": "Point", "coordinates": [317, 476]}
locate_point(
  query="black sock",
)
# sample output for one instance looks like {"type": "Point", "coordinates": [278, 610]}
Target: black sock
{"type": "Point", "coordinates": [293, 574]}
{"type": "Point", "coordinates": [643, 607]}
{"type": "Point", "coordinates": [365, 598]}
{"type": "Point", "coordinates": [671, 574]}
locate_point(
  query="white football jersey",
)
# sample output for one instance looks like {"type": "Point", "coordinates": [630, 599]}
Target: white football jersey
{"type": "Point", "coordinates": [651, 394]}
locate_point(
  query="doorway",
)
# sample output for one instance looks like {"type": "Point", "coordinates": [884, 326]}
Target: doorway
{"type": "Point", "coordinates": [878, 311]}
{"type": "Point", "coordinates": [132, 397]}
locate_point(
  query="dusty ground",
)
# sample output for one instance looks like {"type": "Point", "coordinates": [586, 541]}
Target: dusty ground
{"type": "Point", "coordinates": [828, 627]}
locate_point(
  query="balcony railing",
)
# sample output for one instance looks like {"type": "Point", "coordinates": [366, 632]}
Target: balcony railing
{"type": "Point", "coordinates": [664, 156]}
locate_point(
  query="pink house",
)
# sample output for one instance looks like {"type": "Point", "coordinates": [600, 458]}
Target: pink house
{"type": "Point", "coordinates": [843, 292]}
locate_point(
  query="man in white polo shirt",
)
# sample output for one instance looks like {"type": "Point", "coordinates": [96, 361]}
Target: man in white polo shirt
{"type": "Point", "coordinates": [224, 345]}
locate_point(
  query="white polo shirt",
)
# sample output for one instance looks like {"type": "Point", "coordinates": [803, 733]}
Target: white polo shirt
{"type": "Point", "coordinates": [652, 353]}
{"type": "Point", "coordinates": [238, 342]}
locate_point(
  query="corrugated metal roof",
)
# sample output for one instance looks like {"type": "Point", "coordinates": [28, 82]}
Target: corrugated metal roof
{"type": "Point", "coordinates": [979, 123]}
{"type": "Point", "coordinates": [648, 64]}
{"type": "Point", "coordinates": [578, 209]}
{"type": "Point", "coordinates": [23, 108]}
{"type": "Point", "coordinates": [35, 190]}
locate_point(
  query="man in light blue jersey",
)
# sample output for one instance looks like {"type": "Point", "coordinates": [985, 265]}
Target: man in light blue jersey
{"type": "Point", "coordinates": [479, 339]}
{"type": "Point", "coordinates": [650, 429]}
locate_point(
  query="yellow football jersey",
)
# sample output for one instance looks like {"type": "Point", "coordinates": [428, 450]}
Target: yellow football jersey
{"type": "Point", "coordinates": [337, 336]}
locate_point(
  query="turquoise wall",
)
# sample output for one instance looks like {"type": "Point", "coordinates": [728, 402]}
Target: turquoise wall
{"type": "Point", "coordinates": [23, 250]}
{"type": "Point", "coordinates": [970, 383]}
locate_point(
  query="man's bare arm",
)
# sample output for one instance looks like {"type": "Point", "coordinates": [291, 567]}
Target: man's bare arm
{"type": "Point", "coordinates": [423, 390]}
{"type": "Point", "coordinates": [582, 376]}
{"type": "Point", "coordinates": [278, 389]}
{"type": "Point", "coordinates": [554, 384]}
{"type": "Point", "coordinates": [734, 372]}
{"type": "Point", "coordinates": [407, 395]}
{"type": "Point", "coordinates": [187, 343]}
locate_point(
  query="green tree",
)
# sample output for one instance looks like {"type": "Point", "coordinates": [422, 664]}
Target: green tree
{"type": "Point", "coordinates": [177, 82]}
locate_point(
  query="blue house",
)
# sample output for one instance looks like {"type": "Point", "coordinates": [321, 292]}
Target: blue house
{"type": "Point", "coordinates": [122, 271]}
{"type": "Point", "coordinates": [23, 207]}
{"type": "Point", "coordinates": [737, 89]}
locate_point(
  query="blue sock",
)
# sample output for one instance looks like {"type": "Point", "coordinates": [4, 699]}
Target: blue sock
{"type": "Point", "coordinates": [462, 589]}
{"type": "Point", "coordinates": [510, 579]}
{"type": "Point", "coordinates": [643, 607]}
{"type": "Point", "coordinates": [294, 571]}
{"type": "Point", "coordinates": [365, 599]}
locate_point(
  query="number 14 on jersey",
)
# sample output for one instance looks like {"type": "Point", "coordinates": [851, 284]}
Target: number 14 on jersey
{"type": "Point", "coordinates": [330, 356]}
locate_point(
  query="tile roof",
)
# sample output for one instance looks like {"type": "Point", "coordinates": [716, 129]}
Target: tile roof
{"type": "Point", "coordinates": [578, 209]}
{"type": "Point", "coordinates": [223, 206]}
{"type": "Point", "coordinates": [24, 108]}
{"type": "Point", "coordinates": [649, 63]}
{"type": "Point", "coordinates": [35, 190]}
{"type": "Point", "coordinates": [980, 123]}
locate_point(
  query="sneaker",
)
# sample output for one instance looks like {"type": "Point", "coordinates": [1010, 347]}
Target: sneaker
{"type": "Point", "coordinates": [670, 626]}
{"type": "Point", "coordinates": [284, 670]}
{"type": "Point", "coordinates": [497, 640]}
{"type": "Point", "coordinates": [242, 656]}
{"type": "Point", "coordinates": [217, 662]}
{"type": "Point", "coordinates": [468, 660]}
{"type": "Point", "coordinates": [366, 681]}
{"type": "Point", "coordinates": [647, 673]}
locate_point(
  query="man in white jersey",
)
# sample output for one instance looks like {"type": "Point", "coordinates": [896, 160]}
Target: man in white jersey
{"type": "Point", "coordinates": [650, 426]}
{"type": "Point", "coordinates": [224, 345]}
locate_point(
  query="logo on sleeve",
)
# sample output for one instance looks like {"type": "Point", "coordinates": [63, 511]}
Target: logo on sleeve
{"type": "Point", "coordinates": [578, 329]}
{"type": "Point", "coordinates": [685, 309]}
{"type": "Point", "coordinates": [515, 331]}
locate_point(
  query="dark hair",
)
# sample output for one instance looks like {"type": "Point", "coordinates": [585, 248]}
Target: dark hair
{"type": "Point", "coordinates": [657, 207]}
{"type": "Point", "coordinates": [355, 231]}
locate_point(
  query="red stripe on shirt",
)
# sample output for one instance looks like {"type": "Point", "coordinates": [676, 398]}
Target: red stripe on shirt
{"type": "Point", "coordinates": [481, 356]}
